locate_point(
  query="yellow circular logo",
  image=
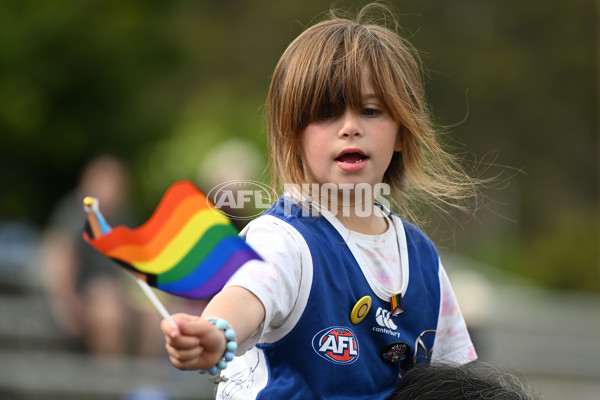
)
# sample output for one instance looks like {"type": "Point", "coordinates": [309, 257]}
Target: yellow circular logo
{"type": "Point", "coordinates": [360, 310]}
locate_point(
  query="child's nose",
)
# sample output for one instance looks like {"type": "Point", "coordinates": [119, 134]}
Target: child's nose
{"type": "Point", "coordinates": [350, 124]}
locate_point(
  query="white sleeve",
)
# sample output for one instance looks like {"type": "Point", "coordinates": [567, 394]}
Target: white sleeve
{"type": "Point", "coordinates": [275, 281]}
{"type": "Point", "coordinates": [452, 341]}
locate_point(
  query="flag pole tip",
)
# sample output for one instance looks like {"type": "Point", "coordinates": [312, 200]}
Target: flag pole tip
{"type": "Point", "coordinates": [88, 201]}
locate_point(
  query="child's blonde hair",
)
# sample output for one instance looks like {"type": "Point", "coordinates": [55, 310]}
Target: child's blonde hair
{"type": "Point", "coordinates": [321, 72]}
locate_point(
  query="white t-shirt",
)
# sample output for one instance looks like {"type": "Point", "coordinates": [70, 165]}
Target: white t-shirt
{"type": "Point", "coordinates": [283, 286]}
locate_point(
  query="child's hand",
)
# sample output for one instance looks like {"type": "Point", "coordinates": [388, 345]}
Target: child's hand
{"type": "Point", "coordinates": [197, 345]}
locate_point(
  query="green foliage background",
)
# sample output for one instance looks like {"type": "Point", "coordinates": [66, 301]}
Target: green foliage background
{"type": "Point", "coordinates": [161, 83]}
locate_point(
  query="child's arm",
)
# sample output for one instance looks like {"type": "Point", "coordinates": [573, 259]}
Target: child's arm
{"type": "Point", "coordinates": [199, 344]}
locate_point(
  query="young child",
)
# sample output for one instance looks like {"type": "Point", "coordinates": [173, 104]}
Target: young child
{"type": "Point", "coordinates": [349, 294]}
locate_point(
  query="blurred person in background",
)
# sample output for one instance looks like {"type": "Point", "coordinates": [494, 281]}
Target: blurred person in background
{"type": "Point", "coordinates": [88, 294]}
{"type": "Point", "coordinates": [217, 168]}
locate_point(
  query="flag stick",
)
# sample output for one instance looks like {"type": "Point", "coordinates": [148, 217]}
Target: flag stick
{"type": "Point", "coordinates": [155, 301]}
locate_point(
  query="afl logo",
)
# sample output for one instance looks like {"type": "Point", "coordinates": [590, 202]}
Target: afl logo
{"type": "Point", "coordinates": [336, 344]}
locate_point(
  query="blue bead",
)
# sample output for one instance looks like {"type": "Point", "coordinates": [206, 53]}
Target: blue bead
{"type": "Point", "coordinates": [221, 324]}
{"type": "Point", "coordinates": [230, 334]}
{"type": "Point", "coordinates": [228, 356]}
{"type": "Point", "coordinates": [232, 346]}
{"type": "Point", "coordinates": [213, 370]}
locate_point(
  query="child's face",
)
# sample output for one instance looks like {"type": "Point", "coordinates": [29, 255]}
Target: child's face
{"type": "Point", "coordinates": [350, 147]}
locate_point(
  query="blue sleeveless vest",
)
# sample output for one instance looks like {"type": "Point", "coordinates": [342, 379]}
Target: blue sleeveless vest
{"type": "Point", "coordinates": [327, 356]}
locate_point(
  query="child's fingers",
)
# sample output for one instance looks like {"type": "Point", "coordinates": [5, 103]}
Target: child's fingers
{"type": "Point", "coordinates": [168, 329]}
{"type": "Point", "coordinates": [182, 321]}
{"type": "Point", "coordinates": [188, 365]}
{"type": "Point", "coordinates": [184, 355]}
{"type": "Point", "coordinates": [183, 342]}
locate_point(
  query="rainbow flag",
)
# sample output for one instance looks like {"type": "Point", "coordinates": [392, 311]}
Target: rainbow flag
{"type": "Point", "coordinates": [187, 248]}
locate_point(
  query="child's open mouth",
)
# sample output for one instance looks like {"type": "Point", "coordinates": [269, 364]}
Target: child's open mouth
{"type": "Point", "coordinates": [351, 160]}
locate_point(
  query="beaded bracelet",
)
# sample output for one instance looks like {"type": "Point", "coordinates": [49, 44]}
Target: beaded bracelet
{"type": "Point", "coordinates": [230, 346]}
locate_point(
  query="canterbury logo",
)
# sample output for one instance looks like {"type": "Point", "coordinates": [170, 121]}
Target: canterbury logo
{"type": "Point", "coordinates": [383, 318]}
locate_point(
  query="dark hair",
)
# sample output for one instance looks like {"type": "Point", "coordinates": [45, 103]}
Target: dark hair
{"type": "Point", "coordinates": [475, 381]}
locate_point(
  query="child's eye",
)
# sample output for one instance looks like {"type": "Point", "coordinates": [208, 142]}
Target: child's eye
{"type": "Point", "coordinates": [325, 116]}
{"type": "Point", "coordinates": [327, 113]}
{"type": "Point", "coordinates": [370, 111]}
